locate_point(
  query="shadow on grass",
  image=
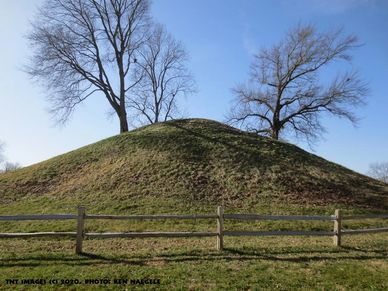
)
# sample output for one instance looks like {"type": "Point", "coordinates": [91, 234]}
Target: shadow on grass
{"type": "Point", "coordinates": [229, 254]}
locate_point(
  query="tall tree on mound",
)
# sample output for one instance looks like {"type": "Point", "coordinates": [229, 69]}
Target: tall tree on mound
{"type": "Point", "coordinates": [165, 77]}
{"type": "Point", "coordinates": [82, 47]}
{"type": "Point", "coordinates": [287, 92]}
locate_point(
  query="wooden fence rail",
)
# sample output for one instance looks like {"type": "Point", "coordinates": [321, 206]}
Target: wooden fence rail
{"type": "Point", "coordinates": [276, 217]}
{"type": "Point", "coordinates": [38, 217]}
{"type": "Point", "coordinates": [151, 217]}
{"type": "Point", "coordinates": [220, 217]}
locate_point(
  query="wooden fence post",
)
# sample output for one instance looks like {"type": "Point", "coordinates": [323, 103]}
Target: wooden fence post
{"type": "Point", "coordinates": [220, 228]}
{"type": "Point", "coordinates": [80, 229]}
{"type": "Point", "coordinates": [337, 228]}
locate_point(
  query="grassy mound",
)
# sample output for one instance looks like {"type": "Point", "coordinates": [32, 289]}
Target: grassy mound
{"type": "Point", "coordinates": [190, 161]}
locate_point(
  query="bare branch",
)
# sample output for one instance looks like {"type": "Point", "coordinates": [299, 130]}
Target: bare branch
{"type": "Point", "coordinates": [285, 94]}
{"type": "Point", "coordinates": [379, 171]}
{"type": "Point", "coordinates": [161, 77]}
{"type": "Point", "coordinates": [84, 47]}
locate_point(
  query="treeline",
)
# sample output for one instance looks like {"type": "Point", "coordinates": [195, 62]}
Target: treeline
{"type": "Point", "coordinates": [6, 166]}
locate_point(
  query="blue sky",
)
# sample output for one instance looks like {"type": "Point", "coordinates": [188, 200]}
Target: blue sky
{"type": "Point", "coordinates": [221, 36]}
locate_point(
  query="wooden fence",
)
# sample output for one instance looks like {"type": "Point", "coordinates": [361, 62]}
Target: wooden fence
{"type": "Point", "coordinates": [220, 233]}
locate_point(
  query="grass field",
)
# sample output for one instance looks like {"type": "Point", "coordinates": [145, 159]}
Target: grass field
{"type": "Point", "coordinates": [286, 263]}
{"type": "Point", "coordinates": [282, 263]}
{"type": "Point", "coordinates": [191, 167]}
{"type": "Point", "coordinates": [193, 160]}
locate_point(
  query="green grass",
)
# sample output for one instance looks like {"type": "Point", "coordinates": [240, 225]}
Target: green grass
{"type": "Point", "coordinates": [191, 160]}
{"type": "Point", "coordinates": [246, 264]}
{"type": "Point", "coordinates": [283, 263]}
{"type": "Point", "coordinates": [190, 167]}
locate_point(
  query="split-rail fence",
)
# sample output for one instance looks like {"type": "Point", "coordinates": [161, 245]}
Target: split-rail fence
{"type": "Point", "coordinates": [220, 233]}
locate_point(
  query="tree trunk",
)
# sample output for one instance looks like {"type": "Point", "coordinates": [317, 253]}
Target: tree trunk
{"type": "Point", "coordinates": [275, 134]}
{"type": "Point", "coordinates": [275, 130]}
{"type": "Point", "coordinates": [123, 125]}
{"type": "Point", "coordinates": [123, 121]}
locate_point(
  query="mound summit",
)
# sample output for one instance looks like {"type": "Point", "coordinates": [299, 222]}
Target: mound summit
{"type": "Point", "coordinates": [193, 160]}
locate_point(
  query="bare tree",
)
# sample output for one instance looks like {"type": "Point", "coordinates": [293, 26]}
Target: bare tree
{"type": "Point", "coordinates": [287, 94]}
{"type": "Point", "coordinates": [164, 77]}
{"type": "Point", "coordinates": [82, 47]}
{"type": "Point", "coordinates": [379, 171]}
{"type": "Point", "coordinates": [9, 167]}
{"type": "Point", "coordinates": [4, 165]}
